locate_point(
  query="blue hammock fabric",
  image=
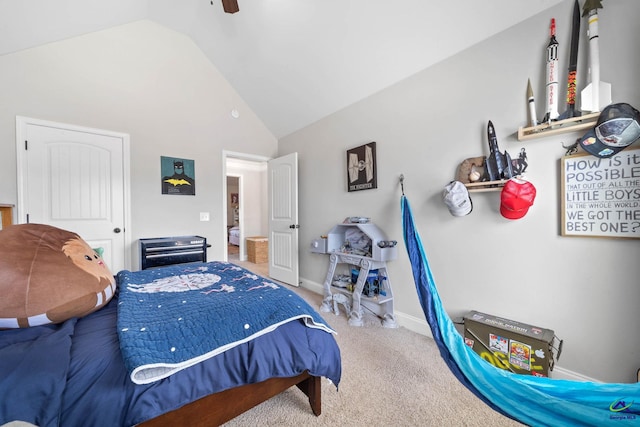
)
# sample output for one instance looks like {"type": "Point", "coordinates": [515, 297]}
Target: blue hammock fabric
{"type": "Point", "coordinates": [536, 401]}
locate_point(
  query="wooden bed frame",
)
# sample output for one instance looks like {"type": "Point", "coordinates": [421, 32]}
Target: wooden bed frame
{"type": "Point", "coordinates": [218, 408]}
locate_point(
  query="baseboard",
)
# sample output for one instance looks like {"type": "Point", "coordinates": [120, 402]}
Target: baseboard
{"type": "Point", "coordinates": [559, 373]}
{"type": "Point", "coordinates": [312, 286]}
{"type": "Point", "coordinates": [414, 324]}
{"type": "Point", "coordinates": [420, 326]}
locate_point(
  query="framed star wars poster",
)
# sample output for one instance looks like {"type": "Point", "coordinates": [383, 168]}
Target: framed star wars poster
{"type": "Point", "coordinates": [178, 176]}
{"type": "Point", "coordinates": [362, 173]}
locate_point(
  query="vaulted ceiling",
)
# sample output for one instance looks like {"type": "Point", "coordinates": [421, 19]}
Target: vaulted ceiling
{"type": "Point", "coordinates": [293, 61]}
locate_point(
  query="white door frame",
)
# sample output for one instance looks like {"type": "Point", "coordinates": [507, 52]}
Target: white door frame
{"type": "Point", "coordinates": [21, 126]}
{"type": "Point", "coordinates": [226, 154]}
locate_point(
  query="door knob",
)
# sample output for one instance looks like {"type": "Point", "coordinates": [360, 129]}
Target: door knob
{"type": "Point", "coordinates": [116, 230]}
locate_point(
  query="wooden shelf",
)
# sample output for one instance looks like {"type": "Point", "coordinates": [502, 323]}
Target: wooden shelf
{"type": "Point", "coordinates": [478, 187]}
{"type": "Point", "coordinates": [558, 127]}
{"type": "Point", "coordinates": [546, 129]}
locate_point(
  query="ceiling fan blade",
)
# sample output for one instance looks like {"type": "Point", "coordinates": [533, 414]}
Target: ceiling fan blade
{"type": "Point", "coordinates": [230, 6]}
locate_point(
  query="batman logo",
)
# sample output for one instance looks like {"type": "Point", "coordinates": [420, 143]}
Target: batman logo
{"type": "Point", "coordinates": [176, 182]}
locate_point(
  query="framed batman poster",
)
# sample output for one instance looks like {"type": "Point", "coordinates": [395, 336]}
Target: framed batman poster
{"type": "Point", "coordinates": [178, 176]}
{"type": "Point", "coordinates": [362, 173]}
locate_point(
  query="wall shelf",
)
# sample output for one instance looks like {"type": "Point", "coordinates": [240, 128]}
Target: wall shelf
{"type": "Point", "coordinates": [479, 187]}
{"type": "Point", "coordinates": [558, 127]}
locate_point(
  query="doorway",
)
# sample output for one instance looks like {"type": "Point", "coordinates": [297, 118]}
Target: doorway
{"type": "Point", "coordinates": [246, 202]}
{"type": "Point", "coordinates": [274, 215]}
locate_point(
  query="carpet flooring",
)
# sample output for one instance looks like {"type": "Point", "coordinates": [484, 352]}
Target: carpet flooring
{"type": "Point", "coordinates": [391, 377]}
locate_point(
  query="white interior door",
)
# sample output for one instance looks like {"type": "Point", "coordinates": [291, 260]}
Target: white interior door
{"type": "Point", "coordinates": [74, 178]}
{"type": "Point", "coordinates": [283, 219]}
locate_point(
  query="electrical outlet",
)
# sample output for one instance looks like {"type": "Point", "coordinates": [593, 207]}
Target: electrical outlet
{"type": "Point", "coordinates": [204, 216]}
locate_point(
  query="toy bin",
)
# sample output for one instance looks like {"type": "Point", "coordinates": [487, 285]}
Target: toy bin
{"type": "Point", "coordinates": [511, 345]}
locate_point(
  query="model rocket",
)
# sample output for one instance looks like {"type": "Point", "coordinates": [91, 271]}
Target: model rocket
{"type": "Point", "coordinates": [597, 94]}
{"type": "Point", "coordinates": [498, 165]}
{"type": "Point", "coordinates": [532, 104]}
{"type": "Point", "coordinates": [573, 65]}
{"type": "Point", "coordinates": [552, 75]}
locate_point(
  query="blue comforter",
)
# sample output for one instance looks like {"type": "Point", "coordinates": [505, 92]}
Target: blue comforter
{"type": "Point", "coordinates": [174, 317]}
{"type": "Point", "coordinates": [73, 374]}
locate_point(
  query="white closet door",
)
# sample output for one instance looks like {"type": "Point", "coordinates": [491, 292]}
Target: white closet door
{"type": "Point", "coordinates": [73, 178]}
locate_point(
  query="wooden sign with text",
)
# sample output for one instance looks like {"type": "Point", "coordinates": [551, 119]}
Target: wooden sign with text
{"type": "Point", "coordinates": [601, 197]}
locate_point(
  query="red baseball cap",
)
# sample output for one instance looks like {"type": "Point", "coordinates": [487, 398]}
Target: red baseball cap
{"type": "Point", "coordinates": [516, 198]}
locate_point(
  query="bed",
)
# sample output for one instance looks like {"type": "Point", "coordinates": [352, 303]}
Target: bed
{"type": "Point", "coordinates": [234, 235]}
{"type": "Point", "coordinates": [78, 372]}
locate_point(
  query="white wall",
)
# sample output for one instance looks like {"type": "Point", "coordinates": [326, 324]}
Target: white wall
{"type": "Point", "coordinates": [586, 289]}
{"type": "Point", "coordinates": [158, 87]}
